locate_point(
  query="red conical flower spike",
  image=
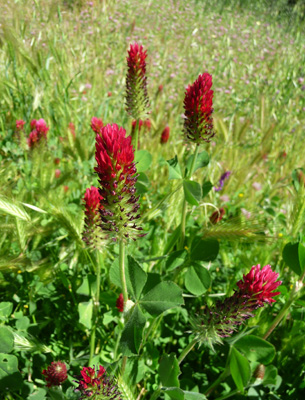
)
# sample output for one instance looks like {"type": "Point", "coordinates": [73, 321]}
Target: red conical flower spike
{"type": "Point", "coordinates": [136, 82]}
{"type": "Point", "coordinates": [116, 171]}
{"type": "Point", "coordinates": [55, 374]}
{"type": "Point", "coordinates": [222, 319]}
{"type": "Point", "coordinates": [198, 105]}
{"type": "Point", "coordinates": [92, 234]}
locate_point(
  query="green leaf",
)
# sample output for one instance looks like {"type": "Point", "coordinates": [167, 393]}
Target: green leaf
{"type": "Point", "coordinates": [85, 310]}
{"type": "Point", "coordinates": [270, 375]}
{"type": "Point", "coordinates": [162, 297]}
{"type": "Point", "coordinates": [174, 393]}
{"type": "Point", "coordinates": [174, 169]}
{"type": "Point", "coordinates": [142, 184]}
{"type": "Point", "coordinates": [38, 394]}
{"type": "Point", "coordinates": [206, 187]}
{"type": "Point", "coordinates": [88, 284]}
{"type": "Point", "coordinates": [34, 208]}
{"type": "Point", "coordinates": [174, 237]}
{"type": "Point", "coordinates": [175, 260]}
{"type": "Point", "coordinates": [132, 333]}
{"type": "Point", "coordinates": [6, 308]}
{"type": "Point", "coordinates": [192, 192]}
{"type": "Point", "coordinates": [6, 340]}
{"type": "Point", "coordinates": [202, 160]}
{"type": "Point", "coordinates": [301, 254]}
{"type": "Point", "coordinates": [9, 207]}
{"type": "Point", "coordinates": [193, 396]}
{"type": "Point", "coordinates": [10, 377]}
{"type": "Point", "coordinates": [56, 394]}
{"type": "Point", "coordinates": [23, 323]}
{"type": "Point", "coordinates": [143, 159]}
{"type": "Point", "coordinates": [240, 369]}
{"type": "Point", "coordinates": [169, 370]}
{"type": "Point", "coordinates": [256, 349]}
{"type": "Point", "coordinates": [291, 257]}
{"type": "Point", "coordinates": [135, 277]}
{"type": "Point", "coordinates": [204, 250]}
{"type": "Point", "coordinates": [197, 280]}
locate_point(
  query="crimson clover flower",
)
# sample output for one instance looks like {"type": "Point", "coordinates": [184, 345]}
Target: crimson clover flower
{"type": "Point", "coordinates": [217, 215]}
{"type": "Point", "coordinates": [20, 124]}
{"type": "Point", "coordinates": [120, 303]}
{"type": "Point", "coordinates": [198, 106]}
{"type": "Point", "coordinates": [146, 124]}
{"type": "Point", "coordinates": [55, 374]}
{"type": "Point", "coordinates": [222, 319]}
{"type": "Point", "coordinates": [39, 132]}
{"type": "Point", "coordinates": [136, 82]}
{"type": "Point", "coordinates": [165, 135]}
{"type": "Point", "coordinates": [116, 171]}
{"type": "Point", "coordinates": [92, 201]}
{"type": "Point", "coordinates": [96, 384]}
{"type": "Point", "coordinates": [96, 124]}
{"type": "Point", "coordinates": [259, 284]}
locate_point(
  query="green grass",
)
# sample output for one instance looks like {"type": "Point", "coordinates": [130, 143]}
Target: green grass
{"type": "Point", "coordinates": [67, 63]}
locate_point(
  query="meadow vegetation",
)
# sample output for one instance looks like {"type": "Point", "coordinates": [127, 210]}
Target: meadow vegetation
{"type": "Point", "coordinates": [65, 62]}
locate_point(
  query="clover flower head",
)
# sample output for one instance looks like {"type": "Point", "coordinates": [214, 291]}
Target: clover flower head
{"type": "Point", "coordinates": [198, 106]}
{"type": "Point", "coordinates": [55, 374]}
{"type": "Point", "coordinates": [136, 82]}
{"type": "Point", "coordinates": [117, 177]}
{"type": "Point", "coordinates": [223, 318]}
{"type": "Point", "coordinates": [94, 383]}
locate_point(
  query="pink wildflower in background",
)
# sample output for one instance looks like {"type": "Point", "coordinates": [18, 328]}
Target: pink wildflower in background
{"type": "Point", "coordinates": [96, 124]}
{"type": "Point", "coordinates": [57, 173]}
{"type": "Point", "coordinates": [71, 127]}
{"type": "Point", "coordinates": [55, 374]}
{"type": "Point", "coordinates": [20, 124]}
{"type": "Point", "coordinates": [39, 132]}
{"type": "Point", "coordinates": [146, 124]}
{"type": "Point", "coordinates": [198, 106]}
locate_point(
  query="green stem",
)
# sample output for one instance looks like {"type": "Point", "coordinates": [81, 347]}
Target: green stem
{"type": "Point", "coordinates": [188, 348]}
{"type": "Point", "coordinates": [294, 294]}
{"type": "Point", "coordinates": [96, 303]}
{"type": "Point", "coordinates": [122, 270]}
{"type": "Point", "coordinates": [184, 206]}
{"type": "Point", "coordinates": [226, 372]}
{"type": "Point", "coordinates": [137, 135]}
{"type": "Point", "coordinates": [156, 393]}
{"type": "Point", "coordinates": [221, 377]}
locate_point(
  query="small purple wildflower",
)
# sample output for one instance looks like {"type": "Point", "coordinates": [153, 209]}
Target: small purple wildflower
{"type": "Point", "coordinates": [221, 182]}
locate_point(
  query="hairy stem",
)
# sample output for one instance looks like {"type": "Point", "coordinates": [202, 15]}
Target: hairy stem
{"type": "Point", "coordinates": [184, 206]}
{"type": "Point", "coordinates": [96, 303]}
{"type": "Point", "coordinates": [122, 270]}
{"type": "Point", "coordinates": [136, 135]}
{"type": "Point", "coordinates": [188, 348]}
